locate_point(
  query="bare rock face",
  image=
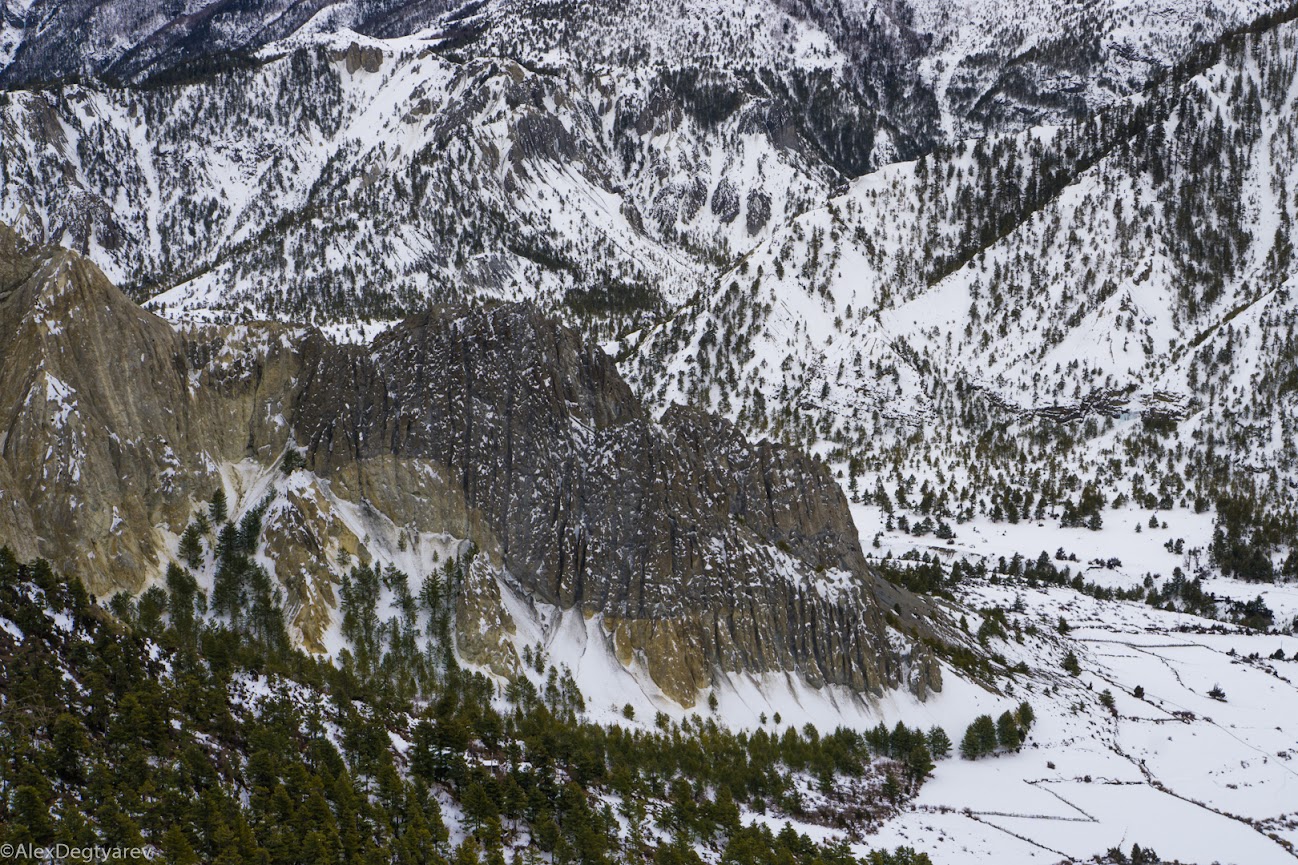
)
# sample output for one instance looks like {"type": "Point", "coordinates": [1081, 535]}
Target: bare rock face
{"type": "Point", "coordinates": [302, 535]}
{"type": "Point", "coordinates": [925, 672]}
{"type": "Point", "coordinates": [759, 211]}
{"type": "Point", "coordinates": [483, 625]}
{"type": "Point", "coordinates": [725, 201]}
{"type": "Point", "coordinates": [114, 423]}
{"type": "Point", "coordinates": [368, 58]}
{"type": "Point", "coordinates": [94, 408]}
{"type": "Point", "coordinates": [701, 552]}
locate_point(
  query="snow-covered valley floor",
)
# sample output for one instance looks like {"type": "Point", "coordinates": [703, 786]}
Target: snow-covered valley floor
{"type": "Point", "coordinates": [1198, 779]}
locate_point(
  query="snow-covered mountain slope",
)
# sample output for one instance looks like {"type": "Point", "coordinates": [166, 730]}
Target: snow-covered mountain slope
{"type": "Point", "coordinates": [45, 41]}
{"type": "Point", "coordinates": [1071, 332]}
{"type": "Point", "coordinates": [610, 159]}
{"type": "Point", "coordinates": [1009, 66]}
{"type": "Point", "coordinates": [982, 62]}
{"type": "Point", "coordinates": [1069, 314]}
{"type": "Point", "coordinates": [358, 180]}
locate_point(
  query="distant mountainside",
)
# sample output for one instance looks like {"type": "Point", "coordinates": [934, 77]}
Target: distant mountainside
{"type": "Point", "coordinates": [1039, 323]}
{"type": "Point", "coordinates": [348, 161]}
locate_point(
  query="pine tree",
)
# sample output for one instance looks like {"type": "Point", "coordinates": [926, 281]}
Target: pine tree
{"type": "Point", "coordinates": [891, 789]}
{"type": "Point", "coordinates": [70, 744]}
{"type": "Point", "coordinates": [1007, 731]}
{"type": "Point", "coordinates": [229, 589]}
{"type": "Point", "coordinates": [979, 739]}
{"type": "Point", "coordinates": [939, 743]}
{"type": "Point", "coordinates": [468, 853]}
{"type": "Point", "coordinates": [546, 831]}
{"type": "Point", "coordinates": [478, 806]}
{"type": "Point", "coordinates": [1071, 665]}
{"type": "Point", "coordinates": [292, 461]}
{"type": "Point", "coordinates": [29, 811]}
{"type": "Point", "coordinates": [919, 762]}
{"type": "Point", "coordinates": [183, 599]}
{"type": "Point", "coordinates": [177, 847]}
{"type": "Point", "coordinates": [216, 508]}
{"type": "Point", "coordinates": [149, 609]}
{"type": "Point", "coordinates": [191, 546]}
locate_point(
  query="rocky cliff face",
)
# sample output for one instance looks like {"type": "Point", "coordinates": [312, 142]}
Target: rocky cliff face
{"type": "Point", "coordinates": [701, 552]}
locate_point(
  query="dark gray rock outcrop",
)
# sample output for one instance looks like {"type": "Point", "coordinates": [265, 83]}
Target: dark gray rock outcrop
{"type": "Point", "coordinates": [701, 551]}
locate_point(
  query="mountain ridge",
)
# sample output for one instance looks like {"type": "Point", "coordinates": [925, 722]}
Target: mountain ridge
{"type": "Point", "coordinates": [703, 554]}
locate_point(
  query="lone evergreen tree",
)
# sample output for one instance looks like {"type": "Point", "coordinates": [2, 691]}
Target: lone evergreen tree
{"type": "Point", "coordinates": [191, 546]}
{"type": "Point", "coordinates": [1071, 665]}
{"type": "Point", "coordinates": [216, 508]}
{"type": "Point", "coordinates": [292, 461]}
{"type": "Point", "coordinates": [939, 743]}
